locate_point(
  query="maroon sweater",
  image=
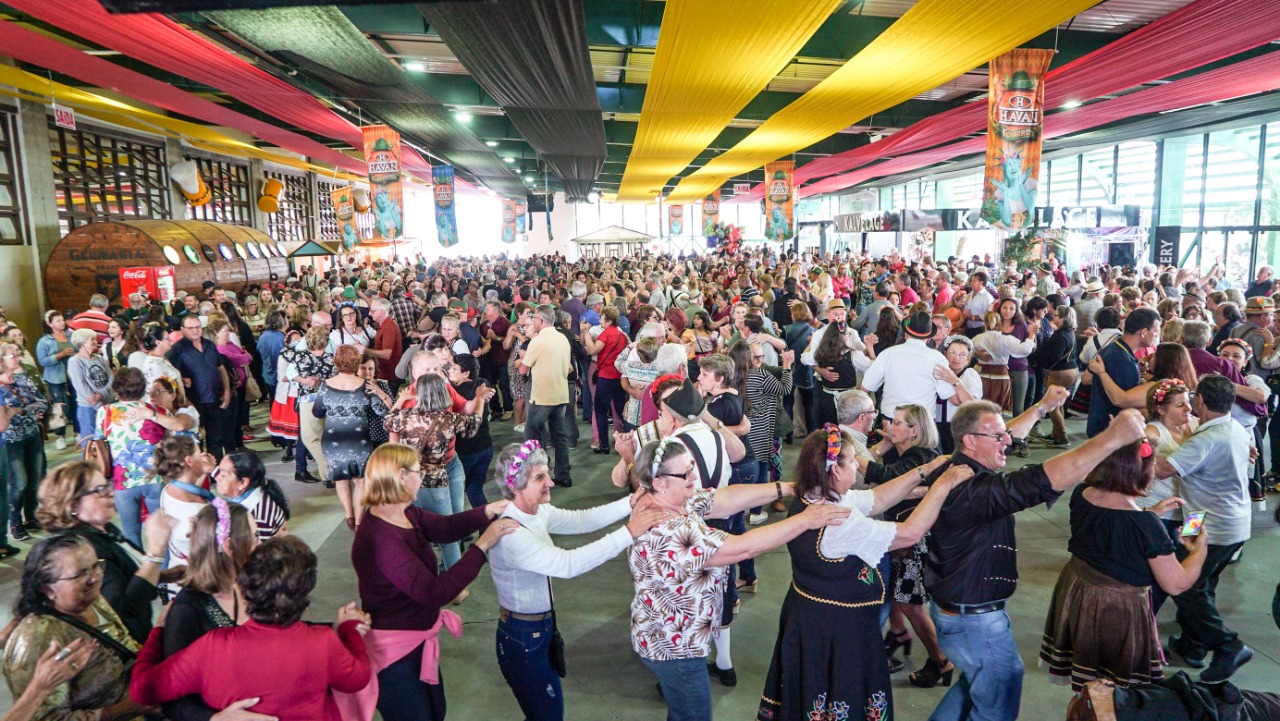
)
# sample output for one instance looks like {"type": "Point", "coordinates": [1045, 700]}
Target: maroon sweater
{"type": "Point", "coordinates": [396, 568]}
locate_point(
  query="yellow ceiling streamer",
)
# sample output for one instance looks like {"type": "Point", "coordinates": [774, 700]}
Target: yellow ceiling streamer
{"type": "Point", "coordinates": [37, 89]}
{"type": "Point", "coordinates": [713, 58]}
{"type": "Point", "coordinates": [934, 42]}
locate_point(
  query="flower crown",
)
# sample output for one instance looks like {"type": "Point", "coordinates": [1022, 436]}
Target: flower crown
{"type": "Point", "coordinates": [223, 530]}
{"type": "Point", "coordinates": [1166, 387]}
{"type": "Point", "coordinates": [833, 444]}
{"type": "Point", "coordinates": [659, 452]}
{"type": "Point", "coordinates": [1239, 343]}
{"type": "Point", "coordinates": [653, 387]}
{"type": "Point", "coordinates": [526, 449]}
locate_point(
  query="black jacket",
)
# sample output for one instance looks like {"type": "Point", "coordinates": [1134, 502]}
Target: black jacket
{"type": "Point", "coordinates": [129, 596]}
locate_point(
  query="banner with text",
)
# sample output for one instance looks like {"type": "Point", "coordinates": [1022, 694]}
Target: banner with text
{"type": "Point", "coordinates": [508, 221]}
{"type": "Point", "coordinates": [779, 200]}
{"type": "Point", "coordinates": [1015, 110]}
{"type": "Point", "coordinates": [382, 153]}
{"type": "Point", "coordinates": [446, 213]}
{"type": "Point", "coordinates": [710, 213]}
{"type": "Point", "coordinates": [344, 207]}
{"type": "Point", "coordinates": [522, 217]}
{"type": "Point", "coordinates": [675, 220]}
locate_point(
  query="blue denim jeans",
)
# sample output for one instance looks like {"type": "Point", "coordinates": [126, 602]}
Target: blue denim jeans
{"type": "Point", "coordinates": [86, 419]}
{"type": "Point", "coordinates": [403, 696]}
{"type": "Point", "coordinates": [743, 472]}
{"type": "Point", "coordinates": [524, 660]}
{"type": "Point", "coordinates": [5, 475]}
{"type": "Point", "coordinates": [686, 687]}
{"type": "Point", "coordinates": [129, 506]}
{"type": "Point", "coordinates": [457, 484]}
{"type": "Point", "coordinates": [25, 466]}
{"type": "Point", "coordinates": [983, 650]}
{"type": "Point", "coordinates": [437, 500]}
{"type": "Point", "coordinates": [476, 468]}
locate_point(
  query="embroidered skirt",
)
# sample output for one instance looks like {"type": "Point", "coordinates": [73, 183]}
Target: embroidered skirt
{"type": "Point", "coordinates": [1100, 628]}
{"type": "Point", "coordinates": [906, 572]}
{"type": "Point", "coordinates": [828, 663]}
{"type": "Point", "coordinates": [284, 419]}
{"type": "Point", "coordinates": [996, 386]}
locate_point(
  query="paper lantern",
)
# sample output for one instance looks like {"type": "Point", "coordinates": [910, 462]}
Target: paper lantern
{"type": "Point", "coordinates": [269, 201]}
{"type": "Point", "coordinates": [187, 175]}
{"type": "Point", "coordinates": [360, 197]}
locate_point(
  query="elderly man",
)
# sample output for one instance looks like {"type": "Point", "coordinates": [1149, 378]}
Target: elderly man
{"type": "Point", "coordinates": [1195, 336]}
{"type": "Point", "coordinates": [406, 306]}
{"type": "Point", "coordinates": [1256, 330]}
{"type": "Point", "coordinates": [548, 362]}
{"type": "Point", "coordinates": [971, 569]}
{"type": "Point", "coordinates": [208, 386]}
{"type": "Point", "coordinates": [1089, 305]}
{"type": "Point", "coordinates": [493, 362]}
{"type": "Point", "coordinates": [1047, 285]}
{"type": "Point", "coordinates": [857, 414]}
{"type": "Point", "coordinates": [869, 316]}
{"type": "Point", "coordinates": [1263, 285]}
{"type": "Point", "coordinates": [387, 343]}
{"type": "Point", "coordinates": [943, 291]}
{"type": "Point", "coordinates": [94, 319]}
{"type": "Point", "coordinates": [906, 371]}
{"type": "Point", "coordinates": [1213, 466]}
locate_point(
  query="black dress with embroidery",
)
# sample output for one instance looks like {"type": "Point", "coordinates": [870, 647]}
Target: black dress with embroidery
{"type": "Point", "coordinates": [829, 662]}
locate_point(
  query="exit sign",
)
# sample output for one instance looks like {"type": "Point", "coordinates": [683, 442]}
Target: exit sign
{"type": "Point", "coordinates": [741, 188]}
{"type": "Point", "coordinates": [64, 117]}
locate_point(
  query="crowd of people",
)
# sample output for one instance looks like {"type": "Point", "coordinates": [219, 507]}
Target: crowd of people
{"type": "Point", "coordinates": [906, 385]}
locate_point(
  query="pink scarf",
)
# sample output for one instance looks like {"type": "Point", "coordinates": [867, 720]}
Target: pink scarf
{"type": "Point", "coordinates": [387, 647]}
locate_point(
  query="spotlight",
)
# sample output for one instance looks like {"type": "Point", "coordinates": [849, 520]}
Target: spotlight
{"type": "Point", "coordinates": [491, 143]}
{"type": "Point", "coordinates": [1071, 104]}
{"type": "Point", "coordinates": [593, 196]}
{"type": "Point", "coordinates": [463, 116]}
{"type": "Point", "coordinates": [415, 67]}
{"type": "Point", "coordinates": [508, 159]}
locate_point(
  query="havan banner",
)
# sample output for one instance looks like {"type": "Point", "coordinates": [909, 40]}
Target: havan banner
{"type": "Point", "coordinates": [344, 207]}
{"type": "Point", "coordinates": [522, 216]}
{"type": "Point", "coordinates": [675, 220]}
{"type": "Point", "coordinates": [779, 200]}
{"type": "Point", "coordinates": [710, 213]}
{"type": "Point", "coordinates": [508, 221]}
{"type": "Point", "coordinates": [446, 213]}
{"type": "Point", "coordinates": [1015, 111]}
{"type": "Point", "coordinates": [382, 153]}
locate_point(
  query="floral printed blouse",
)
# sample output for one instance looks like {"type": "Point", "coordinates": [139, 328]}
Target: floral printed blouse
{"type": "Point", "coordinates": [432, 434]}
{"type": "Point", "coordinates": [309, 366]}
{"type": "Point", "coordinates": [22, 393]}
{"type": "Point", "coordinates": [676, 610]}
{"type": "Point", "coordinates": [132, 444]}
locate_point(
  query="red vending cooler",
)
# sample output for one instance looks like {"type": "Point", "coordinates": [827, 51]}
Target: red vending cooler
{"type": "Point", "coordinates": [156, 283]}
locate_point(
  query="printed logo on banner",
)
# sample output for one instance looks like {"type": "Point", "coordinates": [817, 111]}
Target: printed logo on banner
{"type": "Point", "coordinates": [344, 208]}
{"type": "Point", "coordinates": [522, 216]}
{"type": "Point", "coordinates": [446, 213]}
{"type": "Point", "coordinates": [1014, 111]}
{"type": "Point", "coordinates": [675, 220]}
{"type": "Point", "coordinates": [710, 213]}
{"type": "Point", "coordinates": [508, 221]}
{"type": "Point", "coordinates": [779, 206]}
{"type": "Point", "coordinates": [382, 153]}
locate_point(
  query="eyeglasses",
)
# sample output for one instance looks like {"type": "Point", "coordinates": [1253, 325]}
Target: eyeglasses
{"type": "Point", "coordinates": [682, 476]}
{"type": "Point", "coordinates": [95, 570]}
{"type": "Point", "coordinates": [103, 491]}
{"type": "Point", "coordinates": [1002, 436]}
{"type": "Point", "coordinates": [897, 422]}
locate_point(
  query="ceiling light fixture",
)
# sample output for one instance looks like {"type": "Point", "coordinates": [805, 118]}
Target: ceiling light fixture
{"type": "Point", "coordinates": [491, 143]}
{"type": "Point", "coordinates": [464, 116]}
{"type": "Point", "coordinates": [529, 179]}
{"type": "Point", "coordinates": [415, 67]}
{"type": "Point", "coordinates": [508, 159]}
{"type": "Point", "coordinates": [1071, 104]}
{"type": "Point", "coordinates": [593, 196]}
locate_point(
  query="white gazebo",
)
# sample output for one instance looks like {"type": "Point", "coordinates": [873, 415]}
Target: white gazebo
{"type": "Point", "coordinates": [613, 241]}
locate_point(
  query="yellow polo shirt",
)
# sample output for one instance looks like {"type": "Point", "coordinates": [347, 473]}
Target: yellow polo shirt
{"type": "Point", "coordinates": [549, 359]}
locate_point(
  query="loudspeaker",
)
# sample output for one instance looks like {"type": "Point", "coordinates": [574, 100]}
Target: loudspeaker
{"type": "Point", "coordinates": [540, 203]}
{"type": "Point", "coordinates": [1120, 255]}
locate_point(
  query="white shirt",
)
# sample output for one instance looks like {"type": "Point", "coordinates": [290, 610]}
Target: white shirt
{"type": "Point", "coordinates": [153, 368]}
{"type": "Point", "coordinates": [522, 561]}
{"type": "Point", "coordinates": [859, 535]}
{"type": "Point", "coordinates": [1246, 419]}
{"type": "Point", "coordinates": [1097, 343]}
{"type": "Point", "coordinates": [854, 343]}
{"type": "Point", "coordinates": [1002, 347]}
{"type": "Point", "coordinates": [905, 371]}
{"type": "Point", "coordinates": [978, 304]}
{"type": "Point", "coordinates": [972, 383]}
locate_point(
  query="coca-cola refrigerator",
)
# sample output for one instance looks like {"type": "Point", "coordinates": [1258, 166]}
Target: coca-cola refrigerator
{"type": "Point", "coordinates": [156, 283]}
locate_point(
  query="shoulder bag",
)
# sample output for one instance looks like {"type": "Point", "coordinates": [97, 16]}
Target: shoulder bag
{"type": "Point", "coordinates": [555, 649]}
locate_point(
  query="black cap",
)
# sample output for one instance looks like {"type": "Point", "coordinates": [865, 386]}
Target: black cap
{"type": "Point", "coordinates": [686, 402]}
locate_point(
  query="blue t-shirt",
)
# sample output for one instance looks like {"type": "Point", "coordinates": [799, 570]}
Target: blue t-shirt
{"type": "Point", "coordinates": [1122, 366]}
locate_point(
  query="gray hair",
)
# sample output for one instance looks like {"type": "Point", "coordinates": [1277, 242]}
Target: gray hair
{"type": "Point", "coordinates": [654, 456]}
{"type": "Point", "coordinates": [967, 417]}
{"type": "Point", "coordinates": [579, 290]}
{"type": "Point", "coordinates": [651, 330]}
{"type": "Point", "coordinates": [382, 303]}
{"type": "Point", "coordinates": [922, 419]}
{"type": "Point", "coordinates": [1196, 334]}
{"type": "Point", "coordinates": [510, 484]}
{"type": "Point", "coordinates": [99, 301]}
{"type": "Point", "coordinates": [433, 393]}
{"type": "Point", "coordinates": [546, 313]}
{"type": "Point", "coordinates": [82, 336]}
{"type": "Point", "coordinates": [720, 364]}
{"type": "Point", "coordinates": [852, 403]}
{"type": "Point", "coordinates": [953, 339]}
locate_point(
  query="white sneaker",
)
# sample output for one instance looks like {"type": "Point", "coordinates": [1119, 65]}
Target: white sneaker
{"type": "Point", "coordinates": [60, 444]}
{"type": "Point", "coordinates": [756, 519]}
{"type": "Point", "coordinates": [519, 428]}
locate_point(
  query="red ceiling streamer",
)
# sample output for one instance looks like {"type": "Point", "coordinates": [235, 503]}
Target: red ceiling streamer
{"type": "Point", "coordinates": [1173, 44]}
{"type": "Point", "coordinates": [1258, 75]}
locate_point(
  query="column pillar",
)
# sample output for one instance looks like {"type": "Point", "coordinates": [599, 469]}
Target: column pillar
{"type": "Point", "coordinates": [40, 203]}
{"type": "Point", "coordinates": [257, 174]}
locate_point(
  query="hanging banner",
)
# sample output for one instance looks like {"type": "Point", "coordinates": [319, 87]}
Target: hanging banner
{"type": "Point", "coordinates": [446, 214]}
{"type": "Point", "coordinates": [344, 207]}
{"type": "Point", "coordinates": [779, 201]}
{"type": "Point", "coordinates": [382, 153]}
{"type": "Point", "coordinates": [675, 220]}
{"type": "Point", "coordinates": [508, 221]}
{"type": "Point", "coordinates": [710, 213]}
{"type": "Point", "coordinates": [1014, 113]}
{"type": "Point", "coordinates": [522, 216]}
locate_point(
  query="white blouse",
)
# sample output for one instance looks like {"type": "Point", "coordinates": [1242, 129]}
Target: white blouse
{"type": "Point", "coordinates": [972, 382]}
{"type": "Point", "coordinates": [859, 535]}
{"type": "Point", "coordinates": [1002, 347]}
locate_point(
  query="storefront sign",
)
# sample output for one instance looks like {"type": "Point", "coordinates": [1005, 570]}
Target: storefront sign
{"type": "Point", "coordinates": [741, 188]}
{"type": "Point", "coordinates": [1014, 113]}
{"type": "Point", "coordinates": [64, 117]}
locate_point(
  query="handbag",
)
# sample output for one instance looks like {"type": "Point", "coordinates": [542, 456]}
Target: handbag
{"type": "Point", "coordinates": [57, 417]}
{"type": "Point", "coordinates": [555, 649]}
{"type": "Point", "coordinates": [252, 392]}
{"type": "Point", "coordinates": [97, 451]}
{"type": "Point", "coordinates": [127, 656]}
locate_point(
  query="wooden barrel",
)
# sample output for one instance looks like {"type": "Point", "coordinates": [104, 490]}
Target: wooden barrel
{"type": "Point", "coordinates": [88, 260]}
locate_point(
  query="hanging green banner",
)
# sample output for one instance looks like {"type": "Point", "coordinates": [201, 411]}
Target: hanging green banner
{"type": "Point", "coordinates": [446, 214]}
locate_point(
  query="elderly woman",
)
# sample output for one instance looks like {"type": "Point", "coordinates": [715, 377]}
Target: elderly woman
{"type": "Point", "coordinates": [678, 567]}
{"type": "Point", "coordinates": [131, 434]}
{"type": "Point", "coordinates": [308, 662]}
{"type": "Point", "coordinates": [76, 497]}
{"type": "Point", "coordinates": [24, 406]}
{"type": "Point", "coordinates": [60, 604]}
{"type": "Point", "coordinates": [53, 350]}
{"type": "Point", "coordinates": [402, 589]}
{"type": "Point", "coordinates": [1057, 356]}
{"type": "Point", "coordinates": [524, 563]}
{"type": "Point", "coordinates": [963, 377]}
{"type": "Point", "coordinates": [430, 427]}
{"type": "Point", "coordinates": [90, 378]}
{"type": "Point", "coordinates": [222, 537]}
{"type": "Point", "coordinates": [241, 478]}
{"type": "Point", "coordinates": [350, 328]}
{"type": "Point", "coordinates": [345, 401]}
{"type": "Point", "coordinates": [308, 364]}
{"type": "Point", "coordinates": [829, 649]}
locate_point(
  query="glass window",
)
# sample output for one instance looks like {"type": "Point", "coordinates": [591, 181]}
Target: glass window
{"type": "Point", "coordinates": [293, 221]}
{"type": "Point", "coordinates": [253, 249]}
{"type": "Point", "coordinates": [1271, 177]}
{"type": "Point", "coordinates": [1231, 193]}
{"type": "Point", "coordinates": [1136, 174]}
{"type": "Point", "coordinates": [228, 183]}
{"type": "Point", "coordinates": [240, 251]}
{"type": "Point", "coordinates": [1064, 179]}
{"type": "Point", "coordinates": [101, 176]}
{"type": "Point", "coordinates": [1191, 182]}
{"type": "Point", "coordinates": [1097, 186]}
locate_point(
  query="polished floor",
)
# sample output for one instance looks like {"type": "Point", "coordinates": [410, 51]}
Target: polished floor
{"type": "Point", "coordinates": [607, 681]}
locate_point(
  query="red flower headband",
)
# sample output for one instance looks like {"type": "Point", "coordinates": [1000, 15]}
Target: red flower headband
{"type": "Point", "coordinates": [833, 444]}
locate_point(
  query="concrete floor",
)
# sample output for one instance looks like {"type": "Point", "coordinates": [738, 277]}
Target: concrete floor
{"type": "Point", "coordinates": [607, 681]}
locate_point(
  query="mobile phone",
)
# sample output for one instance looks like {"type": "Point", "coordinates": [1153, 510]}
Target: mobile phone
{"type": "Point", "coordinates": [61, 655]}
{"type": "Point", "coordinates": [1191, 526]}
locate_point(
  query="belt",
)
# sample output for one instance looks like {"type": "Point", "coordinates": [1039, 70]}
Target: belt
{"type": "Point", "coordinates": [505, 615]}
{"type": "Point", "coordinates": [963, 609]}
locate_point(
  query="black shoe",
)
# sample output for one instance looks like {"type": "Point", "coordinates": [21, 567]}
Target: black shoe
{"type": "Point", "coordinates": [7, 551]}
{"type": "Point", "coordinates": [896, 664]}
{"type": "Point", "coordinates": [564, 484]}
{"type": "Point", "coordinates": [18, 533]}
{"type": "Point", "coordinates": [1175, 645]}
{"type": "Point", "coordinates": [601, 451]}
{"type": "Point", "coordinates": [305, 477]}
{"type": "Point", "coordinates": [931, 675]}
{"type": "Point", "coordinates": [328, 484]}
{"type": "Point", "coordinates": [728, 677]}
{"type": "Point", "coordinates": [894, 641]}
{"type": "Point", "coordinates": [1226, 663]}
{"type": "Point", "coordinates": [288, 454]}
{"type": "Point", "coordinates": [1051, 443]}
{"type": "Point", "coordinates": [788, 439]}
